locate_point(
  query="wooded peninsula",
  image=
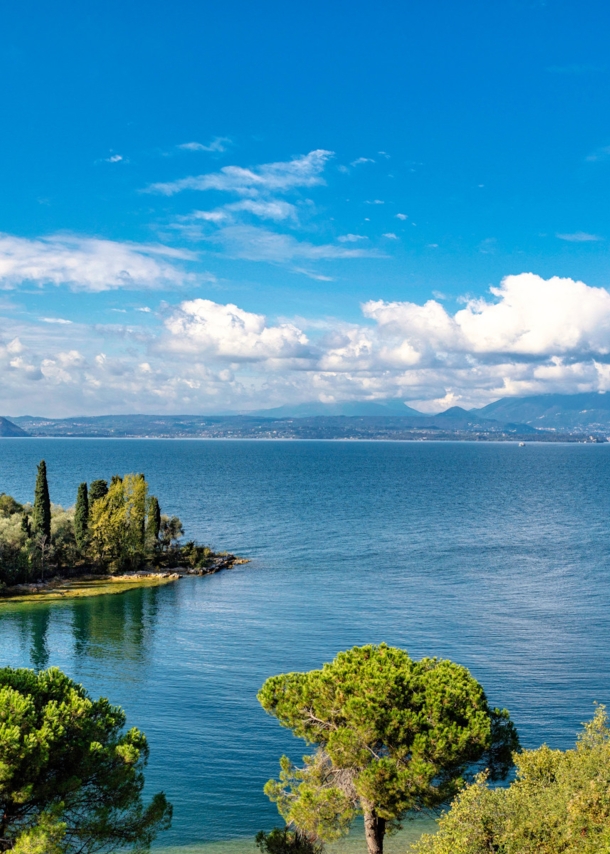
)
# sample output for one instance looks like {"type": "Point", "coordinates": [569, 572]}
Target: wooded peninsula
{"type": "Point", "coordinates": [115, 536]}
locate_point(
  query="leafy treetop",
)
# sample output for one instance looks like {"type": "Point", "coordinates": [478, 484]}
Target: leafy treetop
{"type": "Point", "coordinates": [71, 779]}
{"type": "Point", "coordinates": [392, 735]}
{"type": "Point", "coordinates": [559, 804]}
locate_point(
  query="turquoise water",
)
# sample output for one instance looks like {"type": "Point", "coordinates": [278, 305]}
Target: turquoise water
{"type": "Point", "coordinates": [495, 556]}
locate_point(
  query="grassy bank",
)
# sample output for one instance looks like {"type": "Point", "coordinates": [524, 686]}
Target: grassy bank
{"type": "Point", "coordinates": [80, 587]}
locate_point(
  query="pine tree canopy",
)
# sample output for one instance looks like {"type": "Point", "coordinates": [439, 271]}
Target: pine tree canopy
{"type": "Point", "coordinates": [391, 735]}
{"type": "Point", "coordinates": [72, 778]}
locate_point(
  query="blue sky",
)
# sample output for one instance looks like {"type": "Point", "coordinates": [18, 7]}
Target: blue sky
{"type": "Point", "coordinates": [227, 206]}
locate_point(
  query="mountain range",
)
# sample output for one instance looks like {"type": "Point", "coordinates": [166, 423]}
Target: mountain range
{"type": "Point", "coordinates": [543, 417]}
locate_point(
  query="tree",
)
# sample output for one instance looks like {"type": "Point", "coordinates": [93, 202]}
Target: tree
{"type": "Point", "coordinates": [171, 531]}
{"type": "Point", "coordinates": [8, 505]}
{"type": "Point", "coordinates": [559, 802]}
{"type": "Point", "coordinates": [117, 523]}
{"type": "Point", "coordinates": [81, 517]}
{"type": "Point", "coordinates": [42, 504]}
{"type": "Point", "coordinates": [98, 489]}
{"type": "Point", "coordinates": [282, 840]}
{"type": "Point", "coordinates": [392, 735]}
{"type": "Point", "coordinates": [71, 778]}
{"type": "Point", "coordinates": [153, 522]}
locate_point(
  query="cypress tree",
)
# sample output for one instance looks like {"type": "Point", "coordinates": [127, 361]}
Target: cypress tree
{"type": "Point", "coordinates": [98, 489]}
{"type": "Point", "coordinates": [153, 521]}
{"type": "Point", "coordinates": [81, 516]}
{"type": "Point", "coordinates": [25, 525]}
{"type": "Point", "coordinates": [42, 504]}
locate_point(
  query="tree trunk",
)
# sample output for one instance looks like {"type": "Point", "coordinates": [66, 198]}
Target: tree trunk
{"type": "Point", "coordinates": [374, 831]}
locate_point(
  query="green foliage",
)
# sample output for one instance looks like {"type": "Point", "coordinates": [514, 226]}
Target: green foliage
{"type": "Point", "coordinates": [26, 526]}
{"type": "Point", "coordinates": [392, 735]}
{"type": "Point", "coordinates": [116, 528]}
{"type": "Point", "coordinates": [42, 504]}
{"type": "Point", "coordinates": [558, 804]}
{"type": "Point", "coordinates": [282, 840]}
{"type": "Point", "coordinates": [71, 779]}
{"type": "Point", "coordinates": [8, 505]}
{"type": "Point", "coordinates": [153, 523]}
{"type": "Point", "coordinates": [117, 524]}
{"type": "Point", "coordinates": [97, 489]}
{"type": "Point", "coordinates": [81, 517]}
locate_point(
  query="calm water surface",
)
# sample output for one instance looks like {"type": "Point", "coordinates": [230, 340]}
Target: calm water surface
{"type": "Point", "coordinates": [495, 556]}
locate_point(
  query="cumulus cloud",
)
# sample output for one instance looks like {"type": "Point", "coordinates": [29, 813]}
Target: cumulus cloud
{"type": "Point", "coordinates": [528, 335]}
{"type": "Point", "coordinates": [203, 327]}
{"type": "Point", "coordinates": [531, 317]}
{"type": "Point", "coordinates": [304, 171]}
{"type": "Point", "coordinates": [90, 264]}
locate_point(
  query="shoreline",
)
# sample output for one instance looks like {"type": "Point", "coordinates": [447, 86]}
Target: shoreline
{"type": "Point", "coordinates": [90, 584]}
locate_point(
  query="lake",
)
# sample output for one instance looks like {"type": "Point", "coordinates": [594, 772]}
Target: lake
{"type": "Point", "coordinates": [495, 556]}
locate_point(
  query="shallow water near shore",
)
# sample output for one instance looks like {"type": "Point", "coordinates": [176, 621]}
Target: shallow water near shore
{"type": "Point", "coordinates": [489, 554]}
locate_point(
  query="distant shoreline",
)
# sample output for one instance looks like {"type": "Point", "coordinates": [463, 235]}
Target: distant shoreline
{"type": "Point", "coordinates": [561, 439]}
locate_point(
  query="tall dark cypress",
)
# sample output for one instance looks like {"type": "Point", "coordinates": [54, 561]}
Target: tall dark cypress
{"type": "Point", "coordinates": [98, 489]}
{"type": "Point", "coordinates": [81, 516]}
{"type": "Point", "coordinates": [42, 504]}
{"type": "Point", "coordinates": [153, 521]}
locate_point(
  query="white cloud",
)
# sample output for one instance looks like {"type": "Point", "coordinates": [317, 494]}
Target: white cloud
{"type": "Point", "coordinates": [361, 160]}
{"type": "Point", "coordinates": [274, 209]}
{"type": "Point", "coordinates": [90, 264]}
{"type": "Point", "coordinates": [203, 327]}
{"type": "Point", "coordinates": [217, 145]}
{"type": "Point", "coordinates": [401, 216]}
{"type": "Point", "coordinates": [351, 238]}
{"type": "Point", "coordinates": [531, 317]}
{"type": "Point", "coordinates": [528, 336]}
{"type": "Point", "coordinates": [259, 244]}
{"type": "Point", "coordinates": [59, 320]}
{"type": "Point", "coordinates": [319, 277]}
{"type": "Point", "coordinates": [391, 236]}
{"type": "Point", "coordinates": [114, 158]}
{"type": "Point", "coordinates": [580, 237]}
{"type": "Point", "coordinates": [304, 171]}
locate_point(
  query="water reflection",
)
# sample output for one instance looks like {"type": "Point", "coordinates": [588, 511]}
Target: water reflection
{"type": "Point", "coordinates": [33, 629]}
{"type": "Point", "coordinates": [118, 628]}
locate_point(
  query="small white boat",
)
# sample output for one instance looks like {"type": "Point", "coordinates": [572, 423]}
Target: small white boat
{"type": "Point", "coordinates": [522, 444]}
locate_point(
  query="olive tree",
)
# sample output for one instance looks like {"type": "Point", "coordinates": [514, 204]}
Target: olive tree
{"type": "Point", "coordinates": [559, 802]}
{"type": "Point", "coordinates": [391, 735]}
{"type": "Point", "coordinates": [71, 778]}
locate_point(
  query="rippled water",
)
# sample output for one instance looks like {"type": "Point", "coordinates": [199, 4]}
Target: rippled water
{"type": "Point", "coordinates": [493, 555]}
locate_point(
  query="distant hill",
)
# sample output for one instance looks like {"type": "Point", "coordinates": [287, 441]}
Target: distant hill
{"type": "Point", "coordinates": [351, 408]}
{"type": "Point", "coordinates": [585, 412]}
{"type": "Point", "coordinates": [543, 416]}
{"type": "Point", "coordinates": [455, 423]}
{"type": "Point", "coordinates": [10, 430]}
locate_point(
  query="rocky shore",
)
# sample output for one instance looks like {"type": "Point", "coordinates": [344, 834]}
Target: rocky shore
{"type": "Point", "coordinates": [97, 585]}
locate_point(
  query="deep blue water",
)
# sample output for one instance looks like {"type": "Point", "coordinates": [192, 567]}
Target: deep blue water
{"type": "Point", "coordinates": [493, 555]}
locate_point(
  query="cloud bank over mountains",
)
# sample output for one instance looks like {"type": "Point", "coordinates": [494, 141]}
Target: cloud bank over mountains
{"type": "Point", "coordinates": [198, 349]}
{"type": "Point", "coordinates": [529, 336]}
